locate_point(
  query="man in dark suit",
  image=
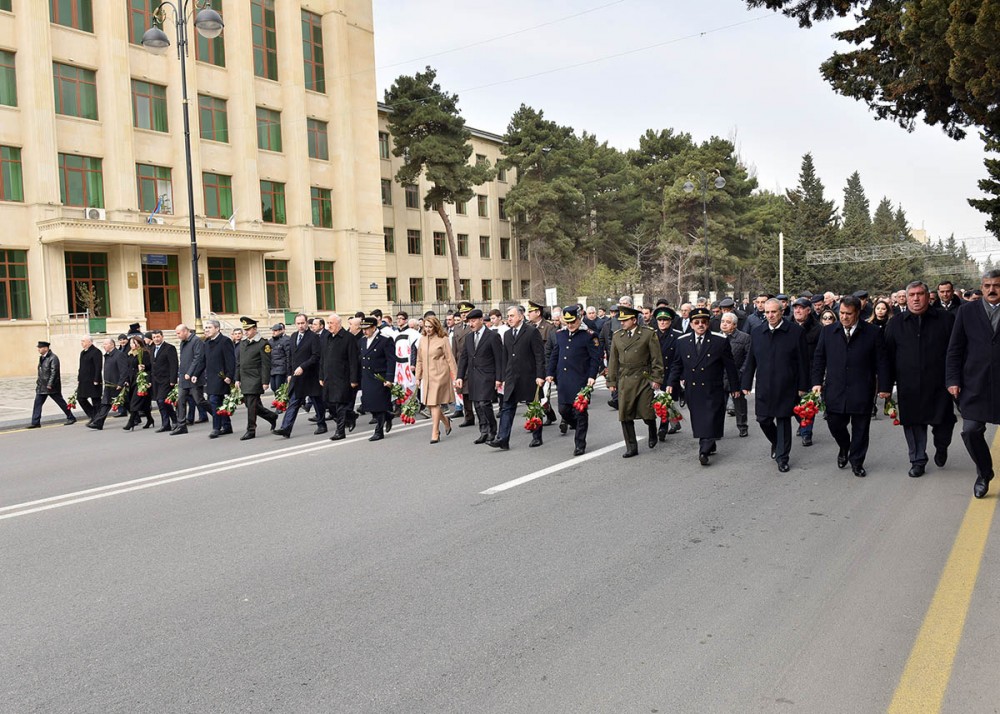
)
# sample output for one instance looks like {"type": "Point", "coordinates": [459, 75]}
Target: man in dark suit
{"type": "Point", "coordinates": [163, 378]}
{"type": "Point", "coordinates": [378, 372]}
{"type": "Point", "coordinates": [850, 357]}
{"type": "Point", "coordinates": [303, 376]}
{"type": "Point", "coordinates": [523, 376]}
{"type": "Point", "coordinates": [805, 317]}
{"type": "Point", "coordinates": [573, 363]}
{"type": "Point", "coordinates": [339, 373]}
{"type": "Point", "coordinates": [972, 373]}
{"type": "Point", "coordinates": [458, 333]}
{"type": "Point", "coordinates": [88, 377]}
{"type": "Point", "coordinates": [948, 299]}
{"type": "Point", "coordinates": [777, 358]}
{"type": "Point", "coordinates": [190, 378]}
{"type": "Point", "coordinates": [480, 372]}
{"type": "Point", "coordinates": [739, 344]}
{"type": "Point", "coordinates": [220, 372]}
{"type": "Point", "coordinates": [114, 372]}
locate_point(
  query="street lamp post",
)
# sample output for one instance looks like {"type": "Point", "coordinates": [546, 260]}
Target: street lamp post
{"type": "Point", "coordinates": [209, 25]}
{"type": "Point", "coordinates": [719, 182]}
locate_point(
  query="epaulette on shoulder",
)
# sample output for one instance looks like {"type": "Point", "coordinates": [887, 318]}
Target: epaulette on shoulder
{"type": "Point", "coordinates": [719, 334]}
{"type": "Point", "coordinates": [685, 335]}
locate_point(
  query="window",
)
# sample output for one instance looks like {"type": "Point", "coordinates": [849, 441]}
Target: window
{"type": "Point", "coordinates": [487, 290]}
{"type": "Point", "coordinates": [11, 181]}
{"type": "Point", "coordinates": [149, 106]}
{"type": "Point", "coordinates": [502, 208]}
{"type": "Point", "coordinates": [76, 91]}
{"type": "Point", "coordinates": [5, 5]}
{"type": "Point", "coordinates": [276, 283]}
{"type": "Point", "coordinates": [412, 197]}
{"type": "Point", "coordinates": [71, 13]}
{"type": "Point", "coordinates": [386, 192]}
{"type": "Point", "coordinates": [484, 247]}
{"type": "Point", "coordinates": [463, 245]}
{"type": "Point", "coordinates": [522, 250]}
{"type": "Point", "coordinates": [222, 284]}
{"type": "Point", "coordinates": [81, 182]}
{"type": "Point", "coordinates": [272, 202]}
{"type": "Point", "coordinates": [312, 51]}
{"type": "Point", "coordinates": [383, 146]}
{"type": "Point", "coordinates": [466, 285]}
{"type": "Point", "coordinates": [525, 288]}
{"type": "Point", "coordinates": [213, 118]}
{"type": "Point", "coordinates": [8, 79]}
{"type": "Point", "coordinates": [416, 290]}
{"type": "Point", "coordinates": [319, 147]}
{"type": "Point", "coordinates": [141, 18]}
{"type": "Point", "coordinates": [481, 160]}
{"type": "Point", "coordinates": [218, 195]}
{"type": "Point", "coordinates": [390, 239]}
{"type": "Point", "coordinates": [440, 243]}
{"type": "Point", "coordinates": [14, 303]}
{"type": "Point", "coordinates": [484, 206]}
{"type": "Point", "coordinates": [505, 286]}
{"type": "Point", "coordinates": [462, 208]}
{"type": "Point", "coordinates": [441, 289]}
{"type": "Point", "coordinates": [154, 188]}
{"type": "Point", "coordinates": [505, 249]}
{"type": "Point", "coordinates": [265, 39]}
{"type": "Point", "coordinates": [212, 50]}
{"type": "Point", "coordinates": [325, 286]}
{"type": "Point", "coordinates": [268, 129]}
{"type": "Point", "coordinates": [501, 174]}
{"type": "Point", "coordinates": [322, 207]}
{"type": "Point", "coordinates": [390, 290]}
{"type": "Point", "coordinates": [83, 272]}
{"type": "Point", "coordinates": [413, 242]}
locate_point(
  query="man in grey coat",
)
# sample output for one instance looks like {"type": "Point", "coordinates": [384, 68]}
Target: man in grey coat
{"type": "Point", "coordinates": [48, 386]}
{"type": "Point", "coordinates": [190, 370]}
{"type": "Point", "coordinates": [281, 345]}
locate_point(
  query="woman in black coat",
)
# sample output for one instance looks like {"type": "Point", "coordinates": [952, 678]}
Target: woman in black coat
{"type": "Point", "coordinates": [139, 360]}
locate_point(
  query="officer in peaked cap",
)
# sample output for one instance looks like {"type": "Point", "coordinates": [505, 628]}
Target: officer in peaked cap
{"type": "Point", "coordinates": [536, 316]}
{"type": "Point", "coordinates": [573, 363]}
{"type": "Point", "coordinates": [635, 369]}
{"type": "Point", "coordinates": [663, 318]}
{"type": "Point", "coordinates": [459, 332]}
{"type": "Point", "coordinates": [253, 374]}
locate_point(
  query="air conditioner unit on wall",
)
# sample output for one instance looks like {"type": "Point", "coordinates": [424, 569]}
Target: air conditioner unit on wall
{"type": "Point", "coordinates": [157, 220]}
{"type": "Point", "coordinates": [95, 214]}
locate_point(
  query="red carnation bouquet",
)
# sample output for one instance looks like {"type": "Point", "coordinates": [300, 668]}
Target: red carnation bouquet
{"type": "Point", "coordinates": [891, 411]}
{"type": "Point", "coordinates": [172, 397]}
{"type": "Point", "coordinates": [280, 402]}
{"type": "Point", "coordinates": [119, 400]}
{"type": "Point", "coordinates": [72, 401]}
{"type": "Point", "coordinates": [142, 383]}
{"type": "Point", "coordinates": [582, 400]}
{"type": "Point", "coordinates": [398, 392]}
{"type": "Point", "coordinates": [808, 407]}
{"type": "Point", "coordinates": [408, 414]}
{"type": "Point", "coordinates": [665, 408]}
{"type": "Point", "coordinates": [230, 401]}
{"type": "Point", "coordinates": [533, 415]}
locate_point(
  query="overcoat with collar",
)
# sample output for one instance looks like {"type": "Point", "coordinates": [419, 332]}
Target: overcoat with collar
{"type": "Point", "coordinates": [634, 361]}
{"type": "Point", "coordinates": [480, 368]}
{"type": "Point", "coordinates": [524, 362]}
{"type": "Point", "coordinates": [340, 367]}
{"type": "Point", "coordinates": [163, 375]}
{"type": "Point", "coordinates": [304, 354]}
{"type": "Point", "coordinates": [377, 360]}
{"type": "Point", "coordinates": [916, 347]}
{"type": "Point", "coordinates": [88, 377]}
{"type": "Point", "coordinates": [777, 358]}
{"type": "Point", "coordinates": [704, 382]}
{"type": "Point", "coordinates": [850, 372]}
{"type": "Point", "coordinates": [974, 364]}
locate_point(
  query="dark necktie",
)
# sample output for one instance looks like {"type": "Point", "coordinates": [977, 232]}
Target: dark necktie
{"type": "Point", "coordinates": [701, 345]}
{"type": "Point", "coordinates": [475, 345]}
{"type": "Point", "coordinates": [515, 333]}
{"type": "Point", "coordinates": [156, 351]}
{"type": "Point", "coordinates": [298, 340]}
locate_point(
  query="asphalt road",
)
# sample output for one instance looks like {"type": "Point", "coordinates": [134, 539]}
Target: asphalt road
{"type": "Point", "coordinates": [304, 575]}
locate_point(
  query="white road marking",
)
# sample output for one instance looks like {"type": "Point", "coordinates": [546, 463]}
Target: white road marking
{"type": "Point", "coordinates": [572, 461]}
{"type": "Point", "coordinates": [114, 489]}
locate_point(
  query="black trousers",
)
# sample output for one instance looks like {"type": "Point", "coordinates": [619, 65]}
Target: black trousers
{"type": "Point", "coordinates": [974, 436]}
{"type": "Point", "coordinates": [295, 403]}
{"type": "Point", "coordinates": [88, 406]}
{"type": "Point", "coordinates": [778, 431]}
{"type": "Point", "coordinates": [255, 408]}
{"type": "Point", "coordinates": [36, 412]}
{"type": "Point", "coordinates": [705, 446]}
{"type": "Point", "coordinates": [854, 441]}
{"type": "Point", "coordinates": [916, 439]}
{"type": "Point", "coordinates": [167, 413]}
{"type": "Point", "coordinates": [579, 421]}
{"type": "Point", "coordinates": [487, 418]}
{"type": "Point", "coordinates": [338, 410]}
{"type": "Point", "coordinates": [740, 407]}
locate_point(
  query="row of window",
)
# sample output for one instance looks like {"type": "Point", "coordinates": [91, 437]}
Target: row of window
{"type": "Point", "coordinates": [414, 242]}
{"type": "Point", "coordinates": [385, 152]}
{"type": "Point", "coordinates": [442, 290]}
{"type": "Point", "coordinates": [411, 195]}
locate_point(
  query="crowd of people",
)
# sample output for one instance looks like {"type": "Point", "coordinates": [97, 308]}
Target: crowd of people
{"type": "Point", "coordinates": [936, 351]}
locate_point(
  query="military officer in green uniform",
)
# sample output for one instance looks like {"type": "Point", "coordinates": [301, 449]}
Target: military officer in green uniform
{"type": "Point", "coordinates": [635, 369]}
{"type": "Point", "coordinates": [253, 373]}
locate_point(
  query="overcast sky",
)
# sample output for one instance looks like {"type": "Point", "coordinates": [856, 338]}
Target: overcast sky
{"type": "Point", "coordinates": [752, 74]}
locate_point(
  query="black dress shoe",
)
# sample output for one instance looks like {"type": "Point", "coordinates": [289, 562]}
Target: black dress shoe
{"type": "Point", "coordinates": [282, 432]}
{"type": "Point", "coordinates": [375, 437]}
{"type": "Point", "coordinates": [248, 435]}
{"type": "Point", "coordinates": [388, 425]}
{"type": "Point", "coordinates": [351, 424]}
{"type": "Point", "coordinates": [338, 436]}
{"type": "Point", "coordinates": [981, 488]}
{"type": "Point", "coordinates": [783, 467]}
{"type": "Point", "coordinates": [496, 444]}
{"type": "Point", "coordinates": [563, 428]}
{"type": "Point", "coordinates": [842, 458]}
{"type": "Point", "coordinates": [467, 423]}
{"type": "Point", "coordinates": [916, 471]}
{"type": "Point", "coordinates": [743, 432]}
{"type": "Point", "coordinates": [629, 454]}
{"type": "Point", "coordinates": [662, 433]}
{"type": "Point", "coordinates": [860, 472]}
{"type": "Point", "coordinates": [807, 441]}
{"type": "Point", "coordinates": [162, 429]}
{"type": "Point", "coordinates": [774, 451]}
{"type": "Point", "coordinates": [320, 430]}
{"type": "Point", "coordinates": [579, 451]}
{"type": "Point", "coordinates": [731, 412]}
{"type": "Point", "coordinates": [227, 430]}
{"type": "Point", "coordinates": [70, 422]}
{"type": "Point", "coordinates": [95, 426]}
{"type": "Point", "coordinates": [711, 452]}
{"type": "Point", "coordinates": [201, 421]}
{"type": "Point", "coordinates": [314, 419]}
{"type": "Point", "coordinates": [175, 432]}
{"type": "Point", "coordinates": [703, 459]}
{"type": "Point", "coordinates": [535, 442]}
{"type": "Point", "coordinates": [613, 403]}
{"type": "Point", "coordinates": [33, 426]}
{"type": "Point", "coordinates": [674, 428]}
{"type": "Point", "coordinates": [214, 434]}
{"type": "Point", "coordinates": [941, 457]}
{"type": "Point", "coordinates": [481, 440]}
{"type": "Point", "coordinates": [682, 403]}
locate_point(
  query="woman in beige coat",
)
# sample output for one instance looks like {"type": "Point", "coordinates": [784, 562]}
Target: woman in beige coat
{"type": "Point", "coordinates": [436, 370]}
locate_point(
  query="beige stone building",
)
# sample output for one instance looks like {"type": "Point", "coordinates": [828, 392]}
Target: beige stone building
{"type": "Point", "coordinates": [286, 135]}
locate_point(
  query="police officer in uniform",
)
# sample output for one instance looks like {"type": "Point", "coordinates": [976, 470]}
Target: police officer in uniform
{"type": "Point", "coordinates": [634, 360]}
{"type": "Point", "coordinates": [253, 373]}
{"type": "Point", "coordinates": [378, 359]}
{"type": "Point", "coordinates": [664, 317]}
{"type": "Point", "coordinates": [702, 359]}
{"type": "Point", "coordinates": [574, 363]}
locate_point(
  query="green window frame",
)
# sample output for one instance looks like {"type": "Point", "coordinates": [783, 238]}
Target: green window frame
{"type": "Point", "coordinates": [390, 239]}
{"type": "Point", "coordinates": [264, 38]}
{"type": "Point", "coordinates": [413, 242]}
{"type": "Point", "coordinates": [441, 290]}
{"type": "Point", "coordinates": [321, 200]}
{"type": "Point", "coordinates": [386, 192]}
{"type": "Point", "coordinates": [11, 175]}
{"type": "Point", "coordinates": [326, 285]}
{"type": "Point", "coordinates": [501, 174]}
{"type": "Point", "coordinates": [276, 283]}
{"type": "Point", "coordinates": [462, 208]}
{"type": "Point", "coordinates": [213, 118]}
{"type": "Point", "coordinates": [390, 290]}
{"type": "Point", "coordinates": [75, 90]}
{"type": "Point", "coordinates": [484, 247]}
{"type": "Point", "coordinates": [5, 5]}
{"type": "Point", "coordinates": [151, 183]}
{"type": "Point", "coordinates": [487, 288]}
{"type": "Point", "coordinates": [312, 51]}
{"type": "Point", "coordinates": [505, 249]}
{"type": "Point", "coordinates": [522, 249]}
{"type": "Point", "coordinates": [211, 50]}
{"type": "Point", "coordinates": [81, 181]}
{"type": "Point", "coordinates": [502, 208]}
{"type": "Point", "coordinates": [149, 106]}
{"type": "Point", "coordinates": [462, 245]}
{"type": "Point", "coordinates": [440, 243]}
{"type": "Point", "coordinates": [218, 190]}
{"type": "Point", "coordinates": [268, 129]}
{"type": "Point", "coordinates": [383, 146]}
{"type": "Point", "coordinates": [505, 287]}
{"type": "Point", "coordinates": [222, 285]}
{"type": "Point", "coordinates": [416, 289]}
{"type": "Point", "coordinates": [15, 302]}
{"type": "Point", "coordinates": [316, 136]}
{"type": "Point", "coordinates": [140, 19]}
{"type": "Point", "coordinates": [484, 205]}
{"type": "Point", "coordinates": [412, 196]}
{"type": "Point", "coordinates": [86, 270]}
{"type": "Point", "coordinates": [78, 14]}
{"type": "Point", "coordinates": [8, 79]}
{"type": "Point", "coordinates": [272, 202]}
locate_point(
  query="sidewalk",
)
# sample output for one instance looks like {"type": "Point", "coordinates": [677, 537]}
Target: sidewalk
{"type": "Point", "coordinates": [17, 396]}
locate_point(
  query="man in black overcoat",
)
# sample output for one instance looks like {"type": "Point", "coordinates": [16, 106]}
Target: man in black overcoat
{"type": "Point", "coordinates": [88, 378]}
{"type": "Point", "coordinates": [849, 362]}
{"type": "Point", "coordinates": [220, 372]}
{"type": "Point", "coordinates": [777, 358]}
{"type": "Point", "coordinates": [480, 371]}
{"type": "Point", "coordinates": [190, 379]}
{"type": "Point", "coordinates": [972, 374]}
{"type": "Point", "coordinates": [378, 372]}
{"type": "Point", "coordinates": [303, 376]}
{"type": "Point", "coordinates": [916, 346]}
{"type": "Point", "coordinates": [114, 372]}
{"type": "Point", "coordinates": [805, 317]}
{"type": "Point", "coordinates": [339, 372]}
{"type": "Point", "coordinates": [163, 377]}
{"type": "Point", "coordinates": [523, 375]}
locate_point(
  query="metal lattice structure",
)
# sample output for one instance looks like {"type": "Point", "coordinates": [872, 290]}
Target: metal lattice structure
{"type": "Point", "coordinates": [865, 254]}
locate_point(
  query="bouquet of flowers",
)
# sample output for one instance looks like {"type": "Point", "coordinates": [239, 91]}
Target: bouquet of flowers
{"type": "Point", "coordinates": [172, 397]}
{"type": "Point", "coordinates": [119, 400]}
{"type": "Point", "coordinates": [891, 411]}
{"type": "Point", "coordinates": [72, 401]}
{"type": "Point", "coordinates": [398, 392]}
{"type": "Point", "coordinates": [142, 383]}
{"type": "Point", "coordinates": [533, 415]}
{"type": "Point", "coordinates": [230, 401]}
{"type": "Point", "coordinates": [666, 410]}
{"type": "Point", "coordinates": [582, 400]}
{"type": "Point", "coordinates": [808, 407]}
{"type": "Point", "coordinates": [280, 402]}
{"type": "Point", "coordinates": [411, 406]}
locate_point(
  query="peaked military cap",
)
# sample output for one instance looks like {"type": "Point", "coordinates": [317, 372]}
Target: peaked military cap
{"type": "Point", "coordinates": [700, 313]}
{"type": "Point", "coordinates": [664, 313]}
{"type": "Point", "coordinates": [247, 322]}
{"type": "Point", "coordinates": [627, 313]}
{"type": "Point", "coordinates": [532, 305]}
{"type": "Point", "coordinates": [369, 322]}
{"type": "Point", "coordinates": [570, 313]}
{"type": "Point", "coordinates": [464, 307]}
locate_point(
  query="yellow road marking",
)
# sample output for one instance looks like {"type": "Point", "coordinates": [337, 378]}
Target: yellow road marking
{"type": "Point", "coordinates": [925, 678]}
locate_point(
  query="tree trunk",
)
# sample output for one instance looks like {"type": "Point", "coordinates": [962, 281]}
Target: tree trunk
{"type": "Point", "coordinates": [453, 250]}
